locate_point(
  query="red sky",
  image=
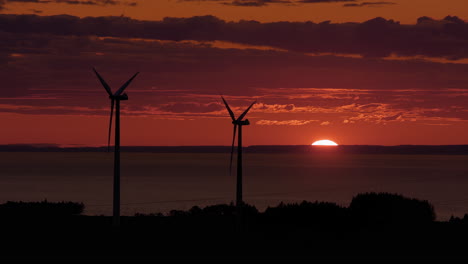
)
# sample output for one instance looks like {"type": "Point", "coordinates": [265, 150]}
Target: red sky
{"type": "Point", "coordinates": [397, 79]}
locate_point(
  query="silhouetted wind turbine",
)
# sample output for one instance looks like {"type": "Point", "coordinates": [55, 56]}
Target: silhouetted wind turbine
{"type": "Point", "coordinates": [238, 123]}
{"type": "Point", "coordinates": [115, 101]}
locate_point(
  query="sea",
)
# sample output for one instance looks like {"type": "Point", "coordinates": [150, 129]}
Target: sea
{"type": "Point", "coordinates": [161, 182]}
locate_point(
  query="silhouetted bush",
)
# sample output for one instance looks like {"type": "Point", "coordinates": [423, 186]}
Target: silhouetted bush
{"type": "Point", "coordinates": [249, 210]}
{"type": "Point", "coordinates": [387, 208]}
{"type": "Point", "coordinates": [220, 209]}
{"type": "Point", "coordinates": [454, 219]}
{"type": "Point", "coordinates": [43, 208]}
{"type": "Point", "coordinates": [179, 213]}
{"type": "Point", "coordinates": [215, 210]}
{"type": "Point", "coordinates": [306, 213]}
{"type": "Point", "coordinates": [148, 215]}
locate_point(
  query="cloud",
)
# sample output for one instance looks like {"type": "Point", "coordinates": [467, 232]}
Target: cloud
{"type": "Point", "coordinates": [284, 122]}
{"type": "Point", "coordinates": [274, 108]}
{"type": "Point", "coordinates": [51, 72]}
{"type": "Point", "coordinates": [260, 3]}
{"type": "Point", "coordinates": [375, 38]}
{"type": "Point", "coordinates": [326, 123]}
{"type": "Point", "coordinates": [35, 11]}
{"type": "Point", "coordinates": [323, 1]}
{"type": "Point", "coordinates": [393, 117]}
{"type": "Point", "coordinates": [187, 107]}
{"type": "Point", "coordinates": [256, 3]}
{"type": "Point", "coordinates": [73, 2]}
{"type": "Point", "coordinates": [369, 4]}
{"type": "Point", "coordinates": [51, 110]}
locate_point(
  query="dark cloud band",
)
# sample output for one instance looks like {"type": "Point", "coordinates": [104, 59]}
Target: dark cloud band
{"type": "Point", "coordinates": [377, 37]}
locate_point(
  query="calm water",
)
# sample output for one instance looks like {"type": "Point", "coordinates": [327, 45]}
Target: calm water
{"type": "Point", "coordinates": [162, 182]}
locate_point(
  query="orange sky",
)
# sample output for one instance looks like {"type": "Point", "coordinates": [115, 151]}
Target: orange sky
{"type": "Point", "coordinates": [86, 130]}
{"type": "Point", "coordinates": [364, 89]}
{"type": "Point", "coordinates": [405, 11]}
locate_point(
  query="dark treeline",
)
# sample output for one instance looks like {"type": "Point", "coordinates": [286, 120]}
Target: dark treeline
{"type": "Point", "coordinates": [374, 208]}
{"type": "Point", "coordinates": [366, 208]}
{"type": "Point", "coordinates": [343, 149]}
{"type": "Point", "coordinates": [40, 209]}
{"type": "Point", "coordinates": [375, 226]}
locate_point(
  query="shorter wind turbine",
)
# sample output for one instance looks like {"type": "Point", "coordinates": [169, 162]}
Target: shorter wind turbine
{"type": "Point", "coordinates": [115, 100]}
{"type": "Point", "coordinates": [238, 123]}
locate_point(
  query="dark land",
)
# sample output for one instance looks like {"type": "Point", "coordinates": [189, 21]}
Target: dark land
{"type": "Point", "coordinates": [343, 149]}
{"type": "Point", "coordinates": [375, 227]}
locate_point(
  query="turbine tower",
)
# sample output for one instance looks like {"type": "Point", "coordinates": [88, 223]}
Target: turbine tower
{"type": "Point", "coordinates": [115, 101]}
{"type": "Point", "coordinates": [238, 123]}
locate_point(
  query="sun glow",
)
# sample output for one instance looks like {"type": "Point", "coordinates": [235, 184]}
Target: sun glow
{"type": "Point", "coordinates": [324, 142]}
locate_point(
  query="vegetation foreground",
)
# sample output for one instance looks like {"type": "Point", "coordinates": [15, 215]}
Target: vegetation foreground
{"type": "Point", "coordinates": [374, 227]}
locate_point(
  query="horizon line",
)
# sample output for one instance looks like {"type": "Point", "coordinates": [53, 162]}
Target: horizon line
{"type": "Point", "coordinates": [53, 145]}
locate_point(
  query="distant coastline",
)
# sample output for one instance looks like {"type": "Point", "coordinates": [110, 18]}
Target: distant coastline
{"type": "Point", "coordinates": [265, 149]}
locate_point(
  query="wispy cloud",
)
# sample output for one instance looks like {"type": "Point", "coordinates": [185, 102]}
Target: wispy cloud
{"type": "Point", "coordinates": [369, 4]}
{"type": "Point", "coordinates": [264, 122]}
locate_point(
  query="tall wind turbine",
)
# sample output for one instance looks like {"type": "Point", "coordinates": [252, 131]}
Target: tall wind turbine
{"type": "Point", "coordinates": [238, 123]}
{"type": "Point", "coordinates": [115, 101]}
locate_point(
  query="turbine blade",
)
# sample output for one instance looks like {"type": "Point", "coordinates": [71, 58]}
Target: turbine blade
{"type": "Point", "coordinates": [120, 91]}
{"type": "Point", "coordinates": [229, 109]}
{"type": "Point", "coordinates": [106, 86]}
{"type": "Point", "coordinates": [110, 125]}
{"type": "Point", "coordinates": [232, 149]}
{"type": "Point", "coordinates": [245, 112]}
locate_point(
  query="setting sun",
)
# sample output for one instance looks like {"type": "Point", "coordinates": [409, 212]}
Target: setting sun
{"type": "Point", "coordinates": [325, 142]}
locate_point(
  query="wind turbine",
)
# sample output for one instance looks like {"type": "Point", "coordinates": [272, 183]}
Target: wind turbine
{"type": "Point", "coordinates": [238, 123]}
{"type": "Point", "coordinates": [115, 101]}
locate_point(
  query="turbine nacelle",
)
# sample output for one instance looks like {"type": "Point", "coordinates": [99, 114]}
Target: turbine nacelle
{"type": "Point", "coordinates": [241, 122]}
{"type": "Point", "coordinates": [121, 97]}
